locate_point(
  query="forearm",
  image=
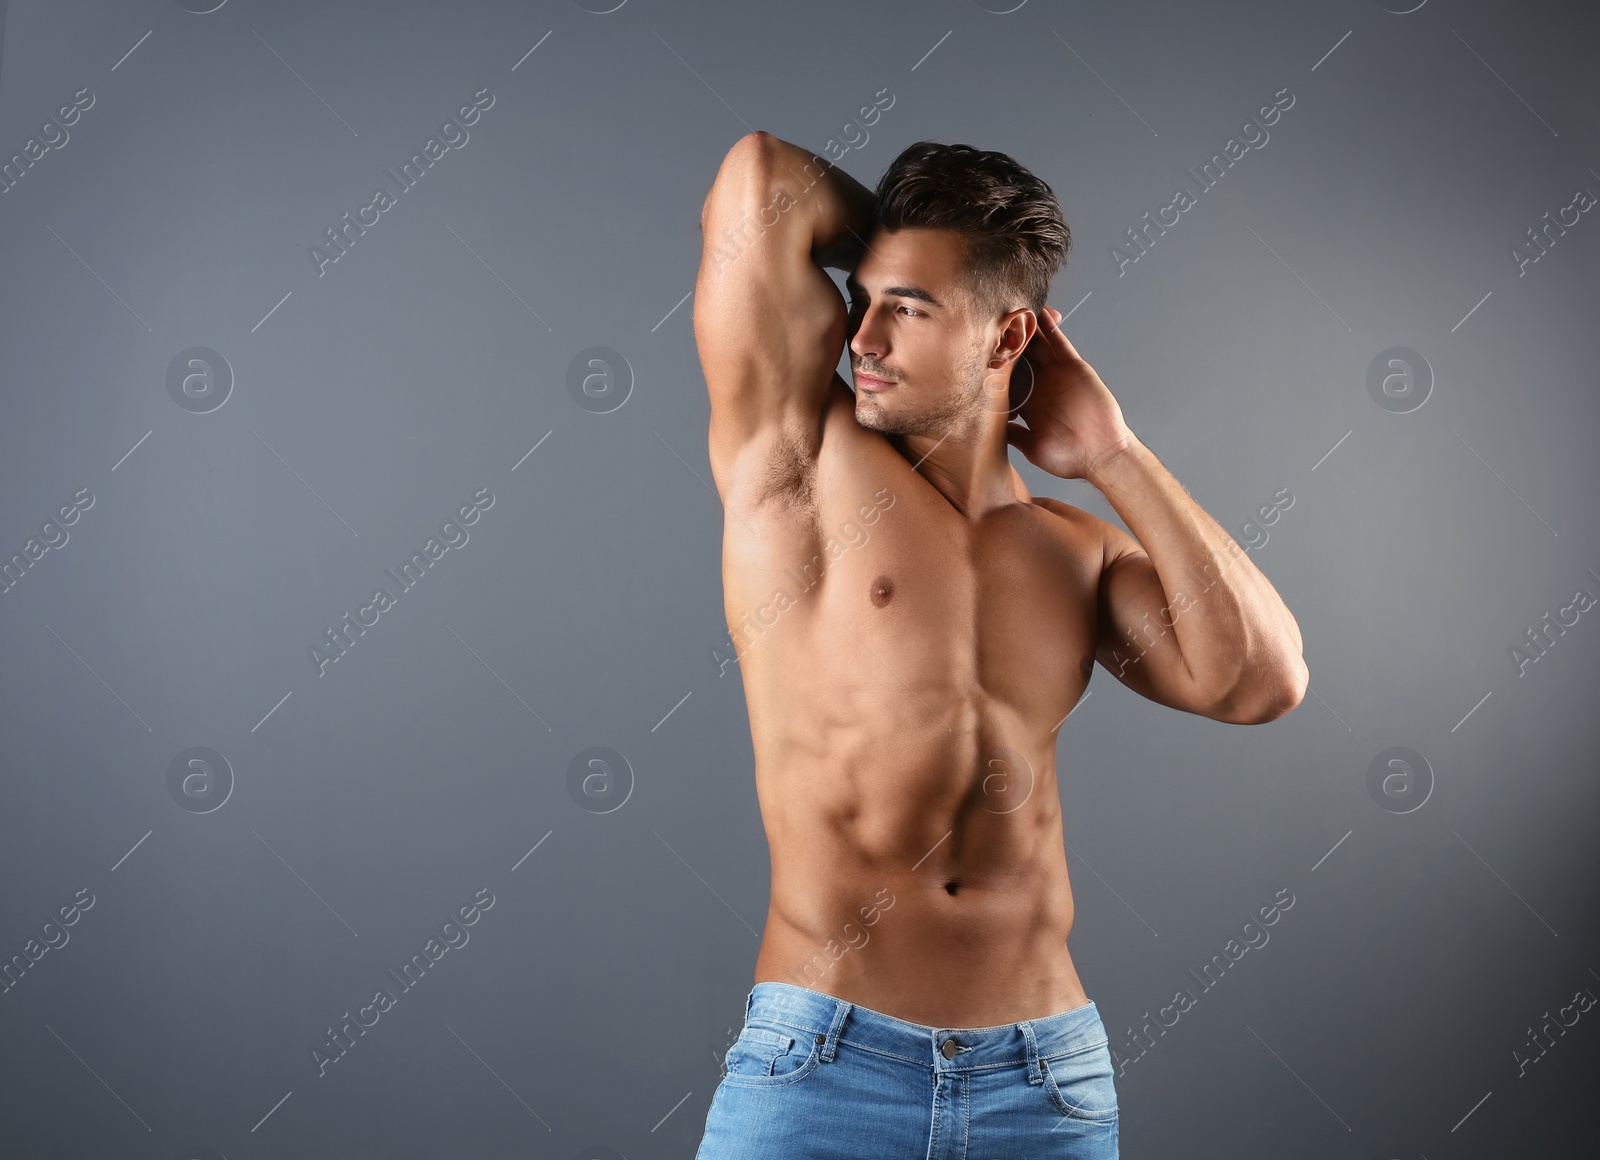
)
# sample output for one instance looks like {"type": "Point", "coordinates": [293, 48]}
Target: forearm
{"type": "Point", "coordinates": [1234, 632]}
{"type": "Point", "coordinates": [841, 210]}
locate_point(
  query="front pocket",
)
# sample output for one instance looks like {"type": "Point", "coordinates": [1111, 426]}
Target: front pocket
{"type": "Point", "coordinates": [1081, 1084]}
{"type": "Point", "coordinates": [763, 1056]}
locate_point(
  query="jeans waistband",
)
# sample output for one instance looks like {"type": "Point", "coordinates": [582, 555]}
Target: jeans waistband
{"type": "Point", "coordinates": [829, 1020]}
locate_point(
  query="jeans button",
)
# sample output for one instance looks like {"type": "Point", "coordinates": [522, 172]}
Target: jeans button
{"type": "Point", "coordinates": [822, 1038]}
{"type": "Point", "coordinates": [950, 1048]}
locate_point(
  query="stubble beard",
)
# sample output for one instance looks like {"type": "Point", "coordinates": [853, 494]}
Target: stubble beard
{"type": "Point", "coordinates": [956, 412]}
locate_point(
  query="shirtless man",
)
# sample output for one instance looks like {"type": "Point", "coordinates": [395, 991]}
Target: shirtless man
{"type": "Point", "coordinates": [912, 626]}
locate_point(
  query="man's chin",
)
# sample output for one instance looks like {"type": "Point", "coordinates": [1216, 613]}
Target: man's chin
{"type": "Point", "coordinates": [873, 417]}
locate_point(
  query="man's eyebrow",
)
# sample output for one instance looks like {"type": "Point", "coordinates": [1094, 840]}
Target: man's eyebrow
{"type": "Point", "coordinates": [915, 292]}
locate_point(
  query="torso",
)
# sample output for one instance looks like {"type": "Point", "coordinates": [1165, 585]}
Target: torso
{"type": "Point", "coordinates": [904, 693]}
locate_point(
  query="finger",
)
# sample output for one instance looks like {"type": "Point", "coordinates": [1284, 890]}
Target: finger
{"type": "Point", "coordinates": [1051, 337]}
{"type": "Point", "coordinates": [1060, 344]}
{"type": "Point", "coordinates": [1043, 343]}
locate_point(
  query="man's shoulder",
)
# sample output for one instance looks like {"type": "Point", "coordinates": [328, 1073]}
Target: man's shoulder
{"type": "Point", "coordinates": [1086, 529]}
{"type": "Point", "coordinates": [1068, 519]}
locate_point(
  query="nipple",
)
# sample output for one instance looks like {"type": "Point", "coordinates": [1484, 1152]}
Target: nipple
{"type": "Point", "coordinates": [882, 591]}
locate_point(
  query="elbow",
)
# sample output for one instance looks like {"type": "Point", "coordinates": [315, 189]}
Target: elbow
{"type": "Point", "coordinates": [748, 155]}
{"type": "Point", "coordinates": [744, 177]}
{"type": "Point", "coordinates": [1269, 700]}
{"type": "Point", "coordinates": [751, 153]}
{"type": "Point", "coordinates": [1289, 694]}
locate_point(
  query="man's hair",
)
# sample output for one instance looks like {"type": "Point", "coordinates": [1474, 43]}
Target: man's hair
{"type": "Point", "coordinates": [1016, 236]}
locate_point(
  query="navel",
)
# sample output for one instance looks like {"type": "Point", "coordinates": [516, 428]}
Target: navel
{"type": "Point", "coordinates": [882, 591]}
{"type": "Point", "coordinates": [951, 887]}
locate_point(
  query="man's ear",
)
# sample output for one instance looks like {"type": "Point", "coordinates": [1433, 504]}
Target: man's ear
{"type": "Point", "coordinates": [1017, 328]}
{"type": "Point", "coordinates": [1015, 336]}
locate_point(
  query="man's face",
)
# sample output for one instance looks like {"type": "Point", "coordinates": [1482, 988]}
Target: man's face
{"type": "Point", "coordinates": [912, 324]}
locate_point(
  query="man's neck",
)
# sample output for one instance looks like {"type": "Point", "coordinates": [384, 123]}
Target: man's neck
{"type": "Point", "coordinates": [970, 468]}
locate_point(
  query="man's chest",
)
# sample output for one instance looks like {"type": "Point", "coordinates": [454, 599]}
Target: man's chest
{"type": "Point", "coordinates": [886, 596]}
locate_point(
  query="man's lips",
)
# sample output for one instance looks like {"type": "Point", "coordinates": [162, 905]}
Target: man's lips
{"type": "Point", "coordinates": [871, 382]}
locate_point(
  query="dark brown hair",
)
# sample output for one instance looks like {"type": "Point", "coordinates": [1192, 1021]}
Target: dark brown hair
{"type": "Point", "coordinates": [1016, 236]}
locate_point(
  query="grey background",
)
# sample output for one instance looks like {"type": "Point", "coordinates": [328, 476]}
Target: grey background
{"type": "Point", "coordinates": [591, 1005]}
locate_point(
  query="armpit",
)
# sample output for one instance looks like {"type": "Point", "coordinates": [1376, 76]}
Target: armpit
{"type": "Point", "coordinates": [787, 474]}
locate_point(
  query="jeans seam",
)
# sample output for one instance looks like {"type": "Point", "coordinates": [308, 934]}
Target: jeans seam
{"type": "Point", "coordinates": [1075, 1112]}
{"type": "Point", "coordinates": [844, 1041]}
{"type": "Point", "coordinates": [1071, 1051]}
{"type": "Point", "coordinates": [966, 1116]}
{"type": "Point", "coordinates": [813, 1061]}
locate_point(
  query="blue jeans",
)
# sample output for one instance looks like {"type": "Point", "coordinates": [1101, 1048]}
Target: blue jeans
{"type": "Point", "coordinates": [812, 1077]}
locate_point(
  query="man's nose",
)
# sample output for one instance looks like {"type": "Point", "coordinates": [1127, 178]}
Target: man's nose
{"type": "Point", "coordinates": [867, 339]}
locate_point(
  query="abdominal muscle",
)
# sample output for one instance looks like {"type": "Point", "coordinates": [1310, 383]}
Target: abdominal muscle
{"type": "Point", "coordinates": [920, 888]}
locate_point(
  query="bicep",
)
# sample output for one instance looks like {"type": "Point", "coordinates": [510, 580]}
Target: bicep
{"type": "Point", "coordinates": [1136, 642]}
{"type": "Point", "coordinates": [768, 321]}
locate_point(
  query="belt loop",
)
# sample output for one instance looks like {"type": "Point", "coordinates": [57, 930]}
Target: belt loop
{"type": "Point", "coordinates": [749, 999]}
{"type": "Point", "coordinates": [1031, 1051]}
{"type": "Point", "coordinates": [831, 1040]}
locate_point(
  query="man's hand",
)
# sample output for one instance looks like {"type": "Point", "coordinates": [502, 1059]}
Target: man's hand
{"type": "Point", "coordinates": [1073, 423]}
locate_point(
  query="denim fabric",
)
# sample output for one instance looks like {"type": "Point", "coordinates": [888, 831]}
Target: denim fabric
{"type": "Point", "coordinates": [815, 1077]}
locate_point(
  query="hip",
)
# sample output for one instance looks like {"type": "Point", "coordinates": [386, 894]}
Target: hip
{"type": "Point", "coordinates": [807, 1064]}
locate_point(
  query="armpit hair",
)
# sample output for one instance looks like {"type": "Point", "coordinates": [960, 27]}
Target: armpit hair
{"type": "Point", "coordinates": [788, 475]}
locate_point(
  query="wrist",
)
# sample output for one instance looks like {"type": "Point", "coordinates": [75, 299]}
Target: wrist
{"type": "Point", "coordinates": [1123, 449]}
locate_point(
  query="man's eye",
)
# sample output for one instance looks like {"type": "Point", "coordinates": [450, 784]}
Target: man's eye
{"type": "Point", "coordinates": [861, 304]}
